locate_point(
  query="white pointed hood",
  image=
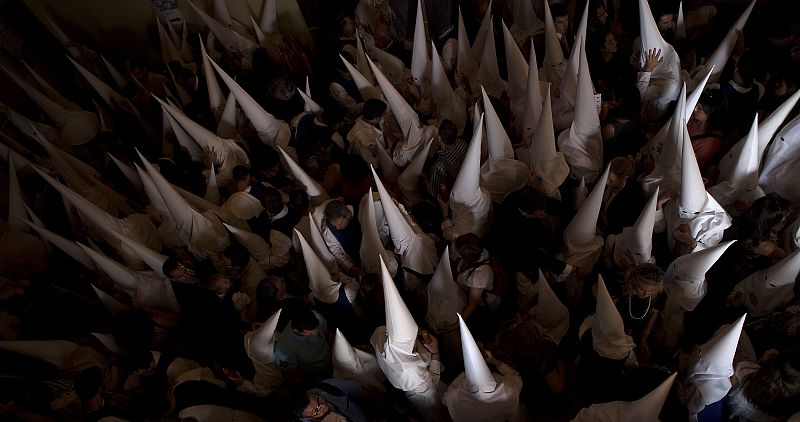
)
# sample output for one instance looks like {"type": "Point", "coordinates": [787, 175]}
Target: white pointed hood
{"type": "Point", "coordinates": [693, 197]}
{"type": "Point", "coordinates": [526, 23]}
{"type": "Point", "coordinates": [549, 164]}
{"type": "Point", "coordinates": [647, 408]}
{"type": "Point", "coordinates": [408, 181]}
{"type": "Point", "coordinates": [310, 106]}
{"type": "Point", "coordinates": [499, 143]}
{"type": "Point", "coordinates": [349, 362]}
{"type": "Point", "coordinates": [255, 244]}
{"type": "Point", "coordinates": [720, 56]}
{"type": "Point", "coordinates": [651, 36]}
{"type": "Point", "coordinates": [685, 278]}
{"type": "Point", "coordinates": [152, 193]}
{"type": "Point", "coordinates": [518, 70]}
{"type": "Point", "coordinates": [323, 288]}
{"type": "Point", "coordinates": [155, 260]}
{"type": "Point", "coordinates": [260, 36]}
{"type": "Point", "coordinates": [221, 12]}
{"type": "Point", "coordinates": [198, 232]}
{"type": "Point", "coordinates": [401, 329]}
{"type": "Point", "coordinates": [108, 94]}
{"type": "Point", "coordinates": [580, 194]}
{"type": "Point", "coordinates": [483, 33]}
{"type": "Point", "coordinates": [417, 250]}
{"type": "Point", "coordinates": [580, 235]}
{"type": "Point", "coordinates": [67, 246]}
{"type": "Point", "coordinates": [77, 126]}
{"type": "Point", "coordinates": [215, 97]}
{"type": "Point", "coordinates": [635, 243]}
{"type": "Point", "coordinates": [103, 126]}
{"type": "Point", "coordinates": [212, 189]}
{"type": "Point", "coordinates": [743, 182]}
{"type": "Point", "coordinates": [129, 172]}
{"type": "Point", "coordinates": [712, 369]}
{"type": "Point", "coordinates": [372, 249]}
{"type": "Point", "coordinates": [112, 305]}
{"type": "Point", "coordinates": [269, 17]}
{"type": "Point", "coordinates": [125, 278]}
{"type": "Point", "coordinates": [169, 51]}
{"type": "Point", "coordinates": [361, 61]}
{"type": "Point", "coordinates": [406, 116]}
{"type": "Point", "coordinates": [227, 120]}
{"type": "Point", "coordinates": [392, 67]}
{"type": "Point", "coordinates": [554, 60]}
{"type": "Point", "coordinates": [233, 41]}
{"type": "Point", "coordinates": [193, 148]}
{"type": "Point", "coordinates": [772, 287]}
{"type": "Point", "coordinates": [107, 340]}
{"type": "Point", "coordinates": [488, 75]}
{"type": "Point", "coordinates": [312, 187]}
{"type": "Point", "coordinates": [583, 146]}
{"type": "Point", "coordinates": [550, 312]}
{"type": "Point", "coordinates": [533, 100]}
{"type": "Point", "coordinates": [449, 105]}
{"type": "Point", "coordinates": [201, 136]}
{"type": "Point", "coordinates": [50, 91]}
{"type": "Point", "coordinates": [766, 130]}
{"type": "Point", "coordinates": [465, 62]}
{"type": "Point", "coordinates": [270, 130]}
{"type": "Point", "coordinates": [478, 377]}
{"type": "Point", "coordinates": [320, 247]}
{"type": "Point", "coordinates": [680, 24]}
{"type": "Point", "coordinates": [389, 170]}
{"type": "Point", "coordinates": [608, 331]}
{"type": "Point", "coordinates": [666, 173]}
{"type": "Point", "coordinates": [470, 203]}
{"type": "Point", "coordinates": [445, 298]}
{"type": "Point", "coordinates": [365, 87]}
{"type": "Point", "coordinates": [569, 79]}
{"type": "Point", "coordinates": [260, 344]}
{"type": "Point", "coordinates": [420, 60]}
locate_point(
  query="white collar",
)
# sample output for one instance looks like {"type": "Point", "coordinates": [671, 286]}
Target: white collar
{"type": "Point", "coordinates": [283, 212]}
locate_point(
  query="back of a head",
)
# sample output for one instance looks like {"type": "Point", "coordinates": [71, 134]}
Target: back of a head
{"type": "Point", "coordinates": [304, 319]}
{"type": "Point", "coordinates": [622, 166]}
{"type": "Point", "coordinates": [240, 173]}
{"type": "Point", "coordinates": [298, 200]}
{"type": "Point", "coordinates": [531, 200]}
{"type": "Point", "coordinates": [469, 246]}
{"type": "Point", "coordinates": [373, 109]}
{"type": "Point", "coordinates": [448, 132]}
{"type": "Point", "coordinates": [272, 200]}
{"type": "Point", "coordinates": [558, 10]}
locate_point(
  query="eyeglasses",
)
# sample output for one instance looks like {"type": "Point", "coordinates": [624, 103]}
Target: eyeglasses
{"type": "Point", "coordinates": [317, 411]}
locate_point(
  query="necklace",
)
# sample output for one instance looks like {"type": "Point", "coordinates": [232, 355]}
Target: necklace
{"type": "Point", "coordinates": [630, 310]}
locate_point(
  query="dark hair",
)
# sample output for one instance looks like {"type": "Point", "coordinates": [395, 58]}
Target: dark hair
{"type": "Point", "coordinates": [765, 213]}
{"type": "Point", "coordinates": [240, 172]}
{"type": "Point", "coordinates": [298, 405]}
{"type": "Point", "coordinates": [170, 265]}
{"type": "Point", "coordinates": [558, 10]}
{"type": "Point", "coordinates": [238, 254]}
{"type": "Point", "coordinates": [630, 102]}
{"type": "Point", "coordinates": [531, 200]}
{"type": "Point", "coordinates": [774, 388]}
{"type": "Point", "coordinates": [133, 330]}
{"type": "Point", "coordinates": [713, 103]}
{"type": "Point", "coordinates": [372, 109]}
{"type": "Point", "coordinates": [448, 132]}
{"type": "Point", "coordinates": [272, 200]}
{"type": "Point", "coordinates": [337, 209]}
{"type": "Point", "coordinates": [304, 319]}
{"type": "Point", "coordinates": [469, 246]}
{"type": "Point", "coordinates": [746, 68]}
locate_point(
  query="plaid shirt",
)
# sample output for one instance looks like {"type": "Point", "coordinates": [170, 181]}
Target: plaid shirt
{"type": "Point", "coordinates": [445, 169]}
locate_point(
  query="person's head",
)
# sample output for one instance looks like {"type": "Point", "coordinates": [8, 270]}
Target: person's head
{"type": "Point", "coordinates": [600, 12]}
{"type": "Point", "coordinates": [235, 259]}
{"type": "Point", "coordinates": [609, 43]}
{"type": "Point", "coordinates": [372, 110]}
{"type": "Point", "coordinates": [560, 17]}
{"type": "Point", "coordinates": [346, 25]}
{"type": "Point", "coordinates": [281, 88]}
{"type": "Point", "coordinates": [766, 217]}
{"type": "Point", "coordinates": [711, 109]}
{"type": "Point", "coordinates": [311, 406]}
{"type": "Point", "coordinates": [304, 322]}
{"type": "Point", "coordinates": [139, 70]}
{"type": "Point", "coordinates": [177, 271]}
{"type": "Point", "coordinates": [775, 387]}
{"type": "Point", "coordinates": [218, 284]}
{"type": "Point", "coordinates": [272, 201]}
{"type": "Point", "coordinates": [338, 215]}
{"type": "Point", "coordinates": [469, 247]}
{"type": "Point", "coordinates": [298, 201]}
{"type": "Point", "coordinates": [532, 203]}
{"type": "Point", "coordinates": [644, 280]}
{"type": "Point", "coordinates": [665, 20]}
{"type": "Point", "coordinates": [186, 79]}
{"type": "Point", "coordinates": [621, 169]}
{"type": "Point", "coordinates": [241, 178]}
{"type": "Point", "coordinates": [448, 132]}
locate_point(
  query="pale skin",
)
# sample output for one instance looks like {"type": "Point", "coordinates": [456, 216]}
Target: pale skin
{"type": "Point", "coordinates": [652, 58]}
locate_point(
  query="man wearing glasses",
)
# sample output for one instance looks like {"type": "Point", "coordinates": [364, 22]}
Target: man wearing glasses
{"type": "Point", "coordinates": [330, 400]}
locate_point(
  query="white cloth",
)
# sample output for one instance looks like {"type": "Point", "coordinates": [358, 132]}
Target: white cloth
{"type": "Point", "coordinates": [660, 87]}
{"type": "Point", "coordinates": [364, 139]}
{"type": "Point", "coordinates": [502, 404]}
{"type": "Point", "coordinates": [705, 228]}
{"type": "Point", "coordinates": [240, 207]}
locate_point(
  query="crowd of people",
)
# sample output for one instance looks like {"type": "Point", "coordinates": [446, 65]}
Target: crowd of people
{"type": "Point", "coordinates": [430, 210]}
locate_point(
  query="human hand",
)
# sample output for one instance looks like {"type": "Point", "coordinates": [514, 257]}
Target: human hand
{"type": "Point", "coordinates": [209, 156]}
{"type": "Point", "coordinates": [664, 198]}
{"type": "Point", "coordinates": [652, 58]}
{"type": "Point", "coordinates": [766, 248]}
{"type": "Point", "coordinates": [429, 342]}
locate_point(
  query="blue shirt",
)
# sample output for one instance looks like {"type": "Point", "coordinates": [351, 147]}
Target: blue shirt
{"type": "Point", "coordinates": [304, 353]}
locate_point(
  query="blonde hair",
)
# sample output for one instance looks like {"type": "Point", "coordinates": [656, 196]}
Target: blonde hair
{"type": "Point", "coordinates": [646, 275]}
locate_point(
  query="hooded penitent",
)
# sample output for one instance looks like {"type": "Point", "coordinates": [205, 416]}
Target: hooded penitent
{"type": "Point", "coordinates": [315, 191]}
{"type": "Point", "coordinates": [645, 409]}
{"type": "Point", "coordinates": [771, 288]}
{"type": "Point", "coordinates": [501, 174]}
{"type": "Point", "coordinates": [420, 60]}
{"type": "Point", "coordinates": [550, 312]}
{"type": "Point", "coordinates": [685, 278]}
{"type": "Point", "coordinates": [215, 97]}
{"type": "Point", "coordinates": [310, 106]}
{"type": "Point", "coordinates": [445, 298]}
{"type": "Point", "coordinates": [488, 75]}
{"type": "Point", "coordinates": [548, 164]}
{"type": "Point", "coordinates": [227, 120]}
{"type": "Point", "coordinates": [255, 244]}
{"type": "Point", "coordinates": [471, 204]}
{"type": "Point", "coordinates": [554, 62]}
{"type": "Point", "coordinates": [742, 184]}
{"type": "Point", "coordinates": [518, 71]}
{"type": "Point", "coordinates": [77, 126]}
{"type": "Point", "coordinates": [465, 63]}
{"type": "Point", "coordinates": [322, 286]}
{"type": "Point", "coordinates": [634, 246]}
{"type": "Point", "coordinates": [580, 235]}
{"type": "Point", "coordinates": [416, 249]}
{"type": "Point", "coordinates": [565, 104]}
{"type": "Point", "coordinates": [720, 56]}
{"type": "Point", "coordinates": [526, 23]}
{"type": "Point", "coordinates": [49, 91]}
{"type": "Point", "coordinates": [533, 100]}
{"type": "Point", "coordinates": [259, 345]}
{"type": "Point", "coordinates": [669, 66]}
{"type": "Point", "coordinates": [582, 145]}
{"type": "Point", "coordinates": [408, 180]}
{"type": "Point", "coordinates": [448, 105]}
{"type": "Point", "coordinates": [365, 87]}
{"type": "Point", "coordinates": [372, 250]}
{"type": "Point", "coordinates": [270, 130]}
{"type": "Point", "coordinates": [608, 331]}
{"type": "Point", "coordinates": [712, 367]}
{"type": "Point", "coordinates": [680, 24]}
{"type": "Point", "coordinates": [349, 362]}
